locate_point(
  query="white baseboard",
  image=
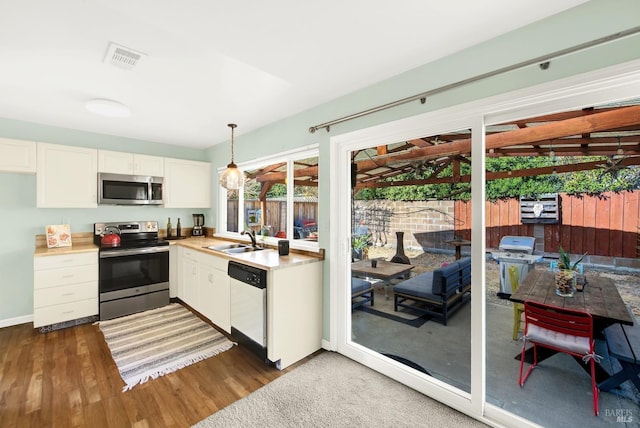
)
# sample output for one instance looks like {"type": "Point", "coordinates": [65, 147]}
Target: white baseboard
{"type": "Point", "coordinates": [327, 345]}
{"type": "Point", "coordinates": [15, 321]}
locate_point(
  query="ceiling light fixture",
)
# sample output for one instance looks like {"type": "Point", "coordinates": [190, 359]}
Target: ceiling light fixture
{"type": "Point", "coordinates": [108, 108]}
{"type": "Point", "coordinates": [232, 178]}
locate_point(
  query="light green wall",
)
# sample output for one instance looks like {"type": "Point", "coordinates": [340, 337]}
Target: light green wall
{"type": "Point", "coordinates": [21, 221]}
{"type": "Point", "coordinates": [584, 23]}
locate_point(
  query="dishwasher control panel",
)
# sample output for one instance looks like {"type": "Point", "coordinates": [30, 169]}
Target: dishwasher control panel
{"type": "Point", "coordinates": [248, 274]}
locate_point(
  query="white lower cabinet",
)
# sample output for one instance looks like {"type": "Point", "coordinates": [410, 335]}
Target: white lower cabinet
{"type": "Point", "coordinates": [294, 313]}
{"type": "Point", "coordinates": [173, 271]}
{"type": "Point", "coordinates": [65, 287]}
{"type": "Point", "coordinates": [294, 302]}
{"type": "Point", "coordinates": [215, 291]}
{"type": "Point", "coordinates": [188, 289]}
{"type": "Point", "coordinates": [203, 284]}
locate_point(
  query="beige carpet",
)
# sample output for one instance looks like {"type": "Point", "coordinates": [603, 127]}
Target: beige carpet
{"type": "Point", "coordinates": [334, 391]}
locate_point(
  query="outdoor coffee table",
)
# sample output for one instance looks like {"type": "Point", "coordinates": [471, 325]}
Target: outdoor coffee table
{"type": "Point", "coordinates": [385, 271]}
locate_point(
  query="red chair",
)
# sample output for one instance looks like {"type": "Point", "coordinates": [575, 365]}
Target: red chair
{"type": "Point", "coordinates": [563, 330]}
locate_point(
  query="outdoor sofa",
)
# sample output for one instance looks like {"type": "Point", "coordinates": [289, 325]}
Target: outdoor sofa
{"type": "Point", "coordinates": [361, 292]}
{"type": "Point", "coordinates": [438, 293]}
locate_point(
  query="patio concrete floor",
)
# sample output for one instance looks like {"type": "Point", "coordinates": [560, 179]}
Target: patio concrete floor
{"type": "Point", "coordinates": [557, 394]}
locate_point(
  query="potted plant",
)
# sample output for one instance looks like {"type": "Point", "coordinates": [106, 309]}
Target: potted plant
{"type": "Point", "coordinates": [360, 246]}
{"type": "Point", "coordinates": [566, 274]}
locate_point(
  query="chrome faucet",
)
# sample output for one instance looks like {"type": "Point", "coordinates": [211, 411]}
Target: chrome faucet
{"type": "Point", "coordinates": [252, 235]}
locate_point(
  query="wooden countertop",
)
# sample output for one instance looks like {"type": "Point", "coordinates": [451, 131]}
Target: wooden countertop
{"type": "Point", "coordinates": [268, 259]}
{"type": "Point", "coordinates": [74, 249]}
{"type": "Point", "coordinates": [81, 243]}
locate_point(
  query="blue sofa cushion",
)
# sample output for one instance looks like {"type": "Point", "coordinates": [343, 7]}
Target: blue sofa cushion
{"type": "Point", "coordinates": [445, 275]}
{"type": "Point", "coordinates": [358, 285]}
{"type": "Point", "coordinates": [465, 266]}
{"type": "Point", "coordinates": [419, 286]}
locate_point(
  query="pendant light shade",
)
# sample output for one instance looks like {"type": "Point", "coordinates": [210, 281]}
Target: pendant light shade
{"type": "Point", "coordinates": [232, 178]}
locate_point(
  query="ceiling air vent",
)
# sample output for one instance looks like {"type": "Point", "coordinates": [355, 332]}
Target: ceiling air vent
{"type": "Point", "coordinates": [122, 57]}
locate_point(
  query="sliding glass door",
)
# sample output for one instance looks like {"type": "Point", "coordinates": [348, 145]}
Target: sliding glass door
{"type": "Point", "coordinates": [410, 267]}
{"type": "Point", "coordinates": [469, 363]}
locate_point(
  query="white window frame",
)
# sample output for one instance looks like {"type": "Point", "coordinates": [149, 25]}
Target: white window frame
{"type": "Point", "coordinates": [289, 157]}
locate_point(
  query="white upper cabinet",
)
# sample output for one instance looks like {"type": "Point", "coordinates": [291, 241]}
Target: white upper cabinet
{"type": "Point", "coordinates": [66, 176]}
{"type": "Point", "coordinates": [130, 163]}
{"type": "Point", "coordinates": [187, 184]}
{"type": "Point", "coordinates": [17, 156]}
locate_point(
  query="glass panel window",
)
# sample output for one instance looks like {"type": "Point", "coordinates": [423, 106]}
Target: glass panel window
{"type": "Point", "coordinates": [232, 211]}
{"type": "Point", "coordinates": [305, 199]}
{"type": "Point", "coordinates": [278, 201]}
{"type": "Point", "coordinates": [265, 200]}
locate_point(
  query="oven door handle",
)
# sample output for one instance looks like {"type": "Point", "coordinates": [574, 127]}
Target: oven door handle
{"type": "Point", "coordinates": [133, 252]}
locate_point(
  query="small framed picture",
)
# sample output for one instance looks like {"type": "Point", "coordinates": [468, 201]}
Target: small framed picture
{"type": "Point", "coordinates": [58, 235]}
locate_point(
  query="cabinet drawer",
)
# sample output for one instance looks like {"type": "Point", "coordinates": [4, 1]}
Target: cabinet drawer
{"type": "Point", "coordinates": [66, 294]}
{"type": "Point", "coordinates": [190, 254]}
{"type": "Point", "coordinates": [64, 312]}
{"type": "Point", "coordinates": [215, 262]}
{"type": "Point", "coordinates": [54, 262]}
{"type": "Point", "coordinates": [65, 276]}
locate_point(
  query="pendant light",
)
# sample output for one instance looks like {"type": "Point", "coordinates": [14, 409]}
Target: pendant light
{"type": "Point", "coordinates": [232, 178]}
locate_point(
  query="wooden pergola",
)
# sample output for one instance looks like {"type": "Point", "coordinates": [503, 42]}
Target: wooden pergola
{"type": "Point", "coordinates": [604, 131]}
{"type": "Point", "coordinates": [612, 131]}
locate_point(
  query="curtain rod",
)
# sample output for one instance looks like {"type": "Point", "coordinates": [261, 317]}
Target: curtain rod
{"type": "Point", "coordinates": [543, 61]}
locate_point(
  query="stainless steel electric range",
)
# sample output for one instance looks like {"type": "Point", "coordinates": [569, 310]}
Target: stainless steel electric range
{"type": "Point", "coordinates": [134, 276]}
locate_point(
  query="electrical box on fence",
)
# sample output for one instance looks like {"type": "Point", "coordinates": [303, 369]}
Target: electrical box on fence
{"type": "Point", "coordinates": [544, 209]}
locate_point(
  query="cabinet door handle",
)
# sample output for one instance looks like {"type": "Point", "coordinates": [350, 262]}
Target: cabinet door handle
{"type": "Point", "coordinates": [68, 312]}
{"type": "Point", "coordinates": [210, 277]}
{"type": "Point", "coordinates": [68, 276]}
{"type": "Point", "coordinates": [68, 294]}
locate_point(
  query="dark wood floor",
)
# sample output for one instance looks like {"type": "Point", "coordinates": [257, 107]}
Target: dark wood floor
{"type": "Point", "coordinates": [67, 378]}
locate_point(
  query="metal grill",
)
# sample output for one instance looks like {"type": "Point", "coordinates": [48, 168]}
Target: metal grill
{"type": "Point", "coordinates": [514, 251]}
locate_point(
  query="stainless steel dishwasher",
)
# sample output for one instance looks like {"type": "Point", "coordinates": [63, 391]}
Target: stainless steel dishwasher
{"type": "Point", "coordinates": [249, 307]}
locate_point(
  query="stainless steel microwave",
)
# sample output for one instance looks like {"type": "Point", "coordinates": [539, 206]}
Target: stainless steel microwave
{"type": "Point", "coordinates": [121, 189]}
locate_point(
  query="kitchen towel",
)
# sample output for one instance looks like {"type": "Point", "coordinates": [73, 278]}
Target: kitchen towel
{"type": "Point", "coordinates": [153, 343]}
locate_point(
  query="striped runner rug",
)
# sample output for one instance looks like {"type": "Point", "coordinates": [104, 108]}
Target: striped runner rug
{"type": "Point", "coordinates": [153, 343]}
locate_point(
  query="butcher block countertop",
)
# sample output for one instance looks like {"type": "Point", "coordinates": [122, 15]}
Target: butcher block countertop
{"type": "Point", "coordinates": [268, 258]}
{"type": "Point", "coordinates": [81, 243]}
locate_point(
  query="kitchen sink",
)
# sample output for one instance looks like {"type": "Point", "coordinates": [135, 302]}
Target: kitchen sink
{"type": "Point", "coordinates": [233, 248]}
{"type": "Point", "coordinates": [243, 250]}
{"type": "Point", "coordinates": [225, 247]}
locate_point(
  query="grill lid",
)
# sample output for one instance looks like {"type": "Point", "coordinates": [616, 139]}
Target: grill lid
{"type": "Point", "coordinates": [517, 244]}
{"type": "Point", "coordinates": [517, 258]}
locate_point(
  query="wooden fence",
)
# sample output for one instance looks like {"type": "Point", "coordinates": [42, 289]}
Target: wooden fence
{"type": "Point", "coordinates": [275, 214]}
{"type": "Point", "coordinates": [600, 226]}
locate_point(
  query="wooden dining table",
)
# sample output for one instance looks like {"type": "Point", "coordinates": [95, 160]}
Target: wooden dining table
{"type": "Point", "coordinates": [600, 298]}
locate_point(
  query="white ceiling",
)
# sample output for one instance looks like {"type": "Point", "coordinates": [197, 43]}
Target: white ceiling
{"type": "Point", "coordinates": [211, 62]}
